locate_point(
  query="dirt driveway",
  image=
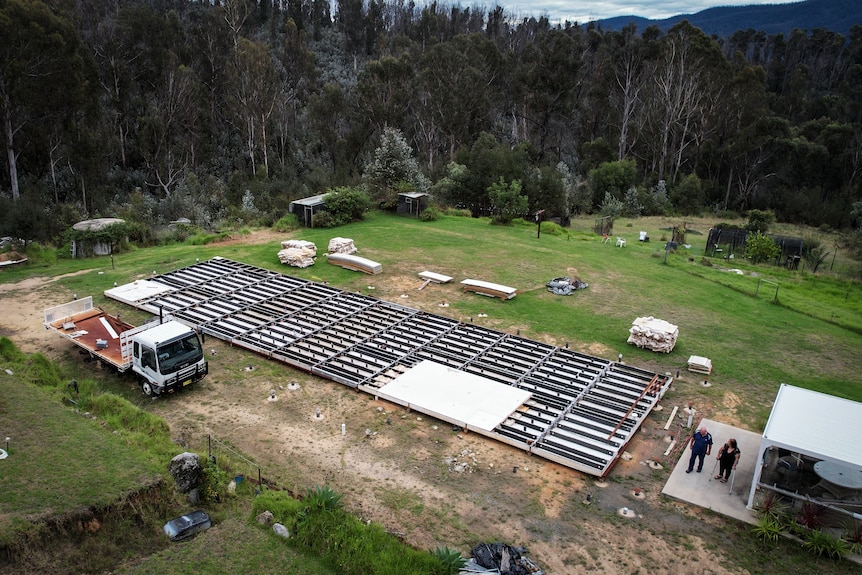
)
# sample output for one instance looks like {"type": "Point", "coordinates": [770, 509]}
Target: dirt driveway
{"type": "Point", "coordinates": [417, 476]}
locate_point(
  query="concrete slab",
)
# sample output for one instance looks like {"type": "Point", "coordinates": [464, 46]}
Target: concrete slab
{"type": "Point", "coordinates": [462, 398]}
{"type": "Point", "coordinates": [703, 490]}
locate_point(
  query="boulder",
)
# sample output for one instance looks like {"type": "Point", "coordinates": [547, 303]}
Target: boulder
{"type": "Point", "coordinates": [280, 529]}
{"type": "Point", "coordinates": [186, 470]}
{"type": "Point", "coordinates": [265, 518]}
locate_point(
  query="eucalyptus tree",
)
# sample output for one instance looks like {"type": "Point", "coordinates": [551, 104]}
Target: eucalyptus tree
{"type": "Point", "coordinates": [253, 97]}
{"type": "Point", "coordinates": [687, 88]}
{"type": "Point", "coordinates": [629, 79]}
{"type": "Point", "coordinates": [45, 81]}
{"type": "Point", "coordinates": [546, 87]}
{"type": "Point", "coordinates": [455, 95]}
{"type": "Point", "coordinates": [384, 91]}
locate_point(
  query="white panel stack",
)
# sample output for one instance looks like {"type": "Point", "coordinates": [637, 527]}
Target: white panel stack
{"type": "Point", "coordinates": [700, 364]}
{"type": "Point", "coordinates": [654, 334]}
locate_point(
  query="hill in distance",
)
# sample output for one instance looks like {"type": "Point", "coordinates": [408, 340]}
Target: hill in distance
{"type": "Point", "coordinates": [835, 15]}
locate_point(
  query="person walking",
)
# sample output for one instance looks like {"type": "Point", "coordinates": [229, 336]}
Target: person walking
{"type": "Point", "coordinates": [728, 458]}
{"type": "Point", "coordinates": [701, 446]}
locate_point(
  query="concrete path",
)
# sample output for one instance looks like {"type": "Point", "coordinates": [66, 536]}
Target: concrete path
{"type": "Point", "coordinates": [702, 489]}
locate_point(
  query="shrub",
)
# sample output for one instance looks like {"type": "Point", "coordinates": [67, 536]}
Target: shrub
{"type": "Point", "coordinates": [767, 528]}
{"type": "Point", "coordinates": [551, 228]}
{"type": "Point", "coordinates": [430, 214]}
{"type": "Point", "coordinates": [286, 223]}
{"type": "Point", "coordinates": [853, 537]}
{"type": "Point", "coordinates": [344, 205]}
{"type": "Point", "coordinates": [760, 248]}
{"type": "Point", "coordinates": [760, 220]}
{"type": "Point", "coordinates": [323, 497]}
{"type": "Point", "coordinates": [823, 544]}
{"type": "Point", "coordinates": [811, 515]}
{"type": "Point", "coordinates": [450, 559]}
{"type": "Point", "coordinates": [772, 507]}
{"type": "Point", "coordinates": [458, 212]}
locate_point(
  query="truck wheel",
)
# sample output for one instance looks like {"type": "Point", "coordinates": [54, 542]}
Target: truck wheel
{"type": "Point", "coordinates": [147, 388]}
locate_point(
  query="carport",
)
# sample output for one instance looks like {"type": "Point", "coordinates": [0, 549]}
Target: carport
{"type": "Point", "coordinates": [811, 450]}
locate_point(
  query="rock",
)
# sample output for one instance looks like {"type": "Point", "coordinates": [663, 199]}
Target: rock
{"type": "Point", "coordinates": [186, 470]}
{"type": "Point", "coordinates": [281, 530]}
{"type": "Point", "coordinates": [194, 496]}
{"type": "Point", "coordinates": [265, 518]}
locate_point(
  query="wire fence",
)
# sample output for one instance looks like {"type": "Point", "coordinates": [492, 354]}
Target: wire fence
{"type": "Point", "coordinates": [237, 464]}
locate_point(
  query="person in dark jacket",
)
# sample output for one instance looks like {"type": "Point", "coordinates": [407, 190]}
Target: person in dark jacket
{"type": "Point", "coordinates": [701, 446]}
{"type": "Point", "coordinates": [728, 458]}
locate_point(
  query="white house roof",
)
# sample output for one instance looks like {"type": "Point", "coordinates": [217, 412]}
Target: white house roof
{"type": "Point", "coordinates": [817, 424]}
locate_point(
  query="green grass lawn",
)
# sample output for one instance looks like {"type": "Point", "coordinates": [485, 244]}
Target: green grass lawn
{"type": "Point", "coordinates": [810, 337]}
{"type": "Point", "coordinates": [61, 461]}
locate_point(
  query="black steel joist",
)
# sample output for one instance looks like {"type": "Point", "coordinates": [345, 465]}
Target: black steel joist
{"type": "Point", "coordinates": [582, 409]}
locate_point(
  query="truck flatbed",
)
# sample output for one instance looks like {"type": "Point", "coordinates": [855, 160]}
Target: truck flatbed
{"type": "Point", "coordinates": [91, 329]}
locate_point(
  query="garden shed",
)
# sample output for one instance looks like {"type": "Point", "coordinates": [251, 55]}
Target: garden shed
{"type": "Point", "coordinates": [305, 209]}
{"type": "Point", "coordinates": [810, 449]}
{"type": "Point", "coordinates": [90, 237]}
{"type": "Point", "coordinates": [411, 204]}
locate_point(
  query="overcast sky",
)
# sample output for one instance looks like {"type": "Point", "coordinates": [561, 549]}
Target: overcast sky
{"type": "Point", "coordinates": [586, 10]}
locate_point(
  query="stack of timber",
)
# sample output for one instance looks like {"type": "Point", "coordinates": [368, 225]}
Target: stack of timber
{"type": "Point", "coordinates": [489, 289]}
{"type": "Point", "coordinates": [654, 334]}
{"type": "Point", "coordinates": [699, 364]}
{"type": "Point", "coordinates": [355, 263]}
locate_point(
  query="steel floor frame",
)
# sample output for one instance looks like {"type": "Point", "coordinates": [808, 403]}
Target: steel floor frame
{"type": "Point", "coordinates": [583, 411]}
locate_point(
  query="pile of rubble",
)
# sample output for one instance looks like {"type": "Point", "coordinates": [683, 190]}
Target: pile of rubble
{"type": "Point", "coordinates": [565, 286]}
{"type": "Point", "coordinates": [502, 558]}
{"type": "Point", "coordinates": [297, 253]}
{"type": "Point", "coordinates": [464, 462]}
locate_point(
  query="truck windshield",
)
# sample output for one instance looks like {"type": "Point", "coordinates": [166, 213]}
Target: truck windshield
{"type": "Point", "coordinates": [179, 354]}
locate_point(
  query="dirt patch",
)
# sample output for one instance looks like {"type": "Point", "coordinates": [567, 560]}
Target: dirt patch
{"type": "Point", "coordinates": [418, 476]}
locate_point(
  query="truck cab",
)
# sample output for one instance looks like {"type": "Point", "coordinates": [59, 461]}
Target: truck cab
{"type": "Point", "coordinates": [167, 357]}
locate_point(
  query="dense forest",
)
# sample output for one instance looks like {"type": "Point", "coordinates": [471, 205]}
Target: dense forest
{"type": "Point", "coordinates": [155, 110]}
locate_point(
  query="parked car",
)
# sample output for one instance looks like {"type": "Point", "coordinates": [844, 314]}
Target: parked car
{"type": "Point", "coordinates": [185, 526]}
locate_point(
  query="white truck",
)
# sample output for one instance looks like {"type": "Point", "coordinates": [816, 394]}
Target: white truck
{"type": "Point", "coordinates": [166, 355]}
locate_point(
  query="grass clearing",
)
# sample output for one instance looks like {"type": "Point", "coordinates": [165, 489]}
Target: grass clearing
{"type": "Point", "coordinates": [810, 338]}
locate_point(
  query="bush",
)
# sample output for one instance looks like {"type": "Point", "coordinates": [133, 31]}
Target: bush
{"type": "Point", "coordinates": [823, 544]}
{"type": "Point", "coordinates": [767, 528]}
{"type": "Point", "coordinates": [343, 205]}
{"type": "Point", "coordinates": [760, 248]}
{"type": "Point", "coordinates": [430, 214]}
{"type": "Point", "coordinates": [760, 220]}
{"type": "Point", "coordinates": [458, 212]}
{"type": "Point", "coordinates": [286, 223]}
{"type": "Point", "coordinates": [319, 525]}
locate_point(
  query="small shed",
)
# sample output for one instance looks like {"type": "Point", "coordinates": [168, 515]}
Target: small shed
{"type": "Point", "coordinates": [306, 208]}
{"type": "Point", "coordinates": [89, 242]}
{"type": "Point", "coordinates": [818, 434]}
{"type": "Point", "coordinates": [411, 204]}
